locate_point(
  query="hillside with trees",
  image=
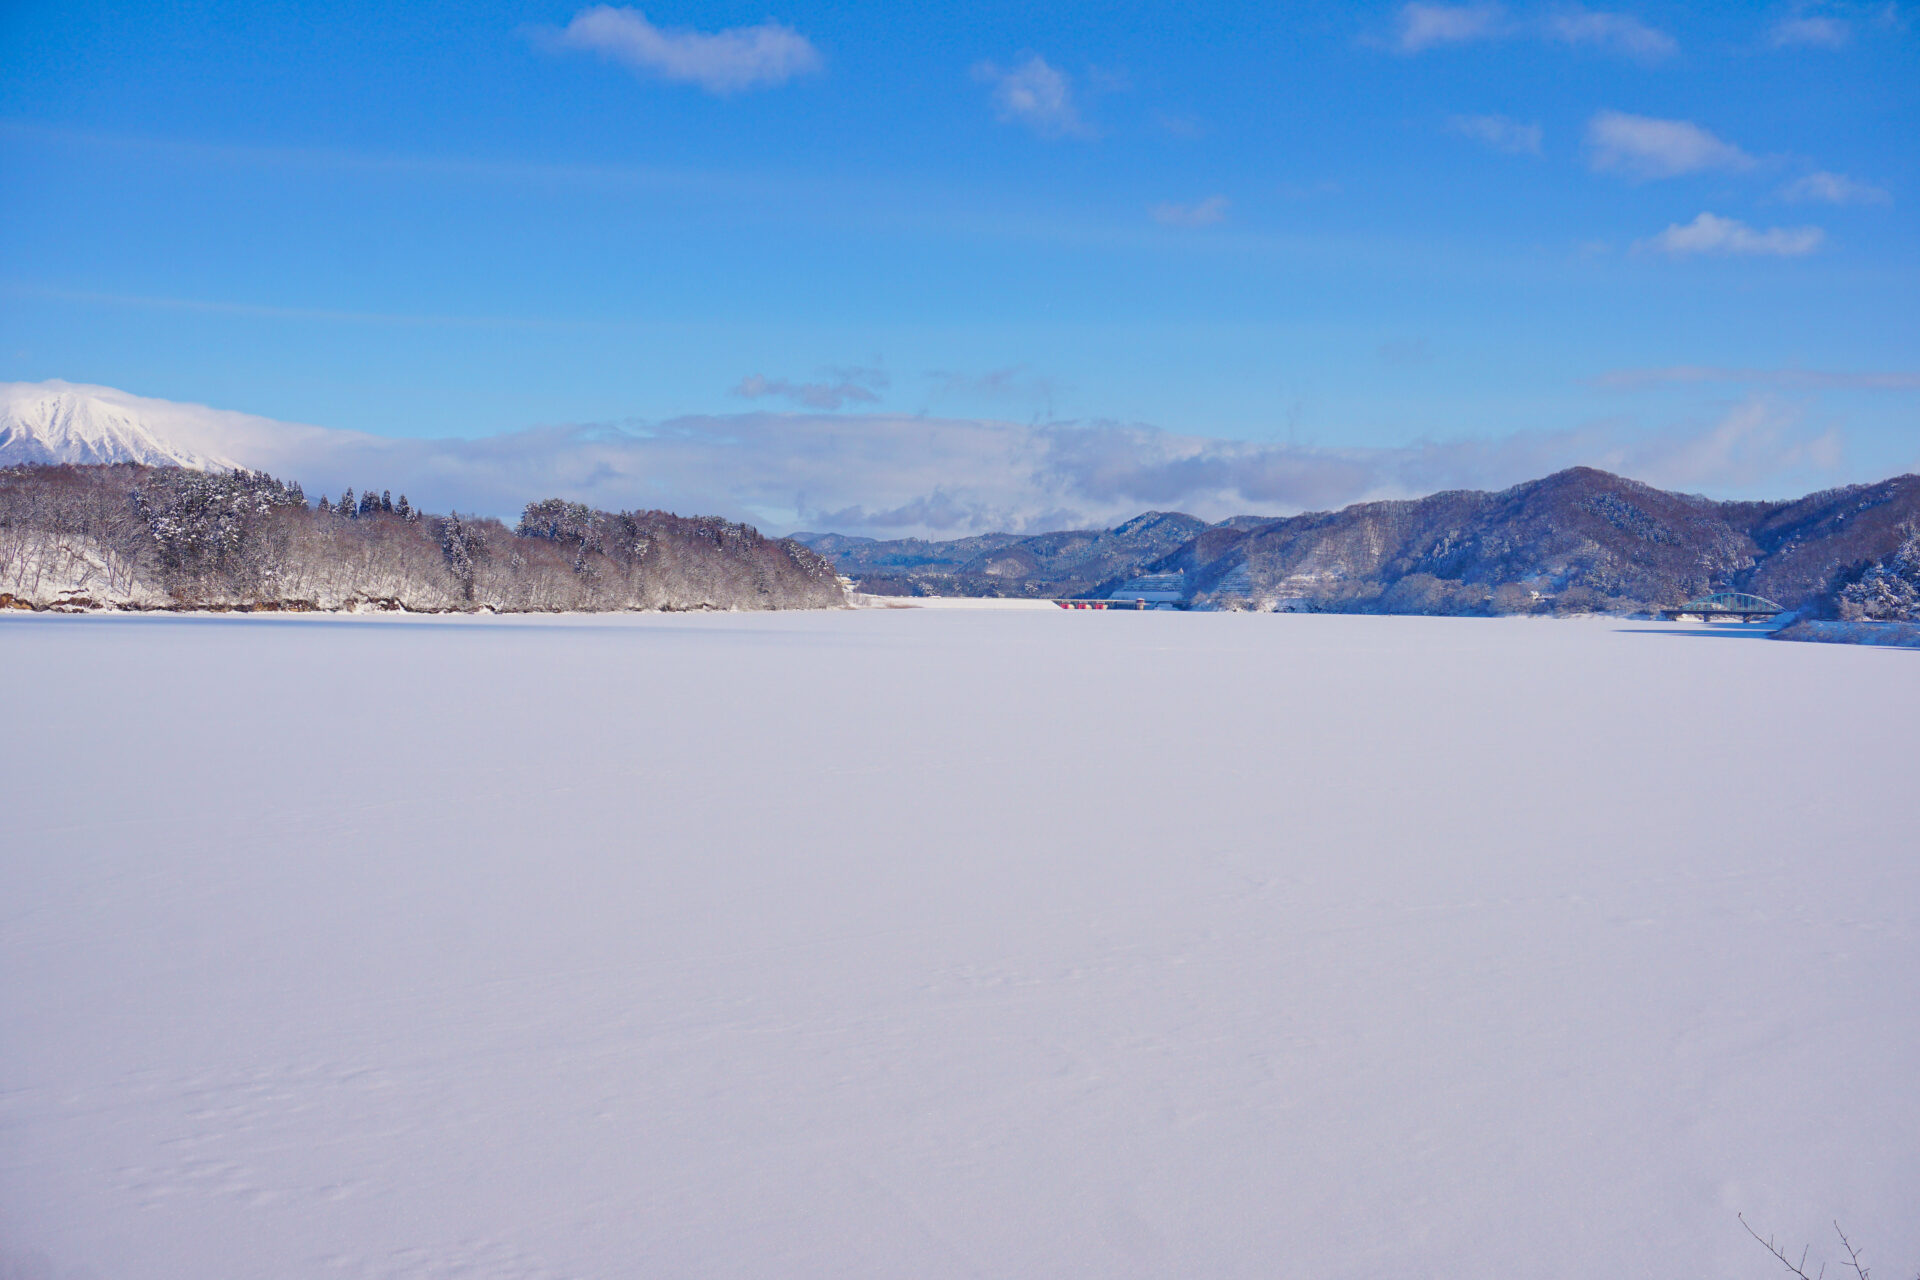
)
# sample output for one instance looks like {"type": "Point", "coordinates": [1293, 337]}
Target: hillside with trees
{"type": "Point", "coordinates": [137, 537]}
{"type": "Point", "coordinates": [1887, 590]}
{"type": "Point", "coordinates": [1578, 541]}
{"type": "Point", "coordinates": [1047, 565]}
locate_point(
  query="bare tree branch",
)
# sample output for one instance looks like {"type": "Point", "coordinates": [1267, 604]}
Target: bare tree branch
{"type": "Point", "coordinates": [1774, 1249]}
{"type": "Point", "coordinates": [1853, 1254]}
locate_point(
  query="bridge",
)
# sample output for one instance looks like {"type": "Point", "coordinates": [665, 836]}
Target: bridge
{"type": "Point", "coordinates": [1726, 604]}
{"type": "Point", "coordinates": [1130, 603]}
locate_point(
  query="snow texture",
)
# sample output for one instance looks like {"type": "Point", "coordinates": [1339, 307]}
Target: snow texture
{"type": "Point", "coordinates": [43, 426]}
{"type": "Point", "coordinates": [905, 942]}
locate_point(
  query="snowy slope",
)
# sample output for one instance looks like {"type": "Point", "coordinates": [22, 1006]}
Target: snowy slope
{"type": "Point", "coordinates": [71, 426]}
{"type": "Point", "coordinates": [953, 944]}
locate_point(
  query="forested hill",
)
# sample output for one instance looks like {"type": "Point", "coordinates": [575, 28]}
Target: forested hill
{"type": "Point", "coordinates": [139, 537]}
{"type": "Point", "coordinates": [1067, 563]}
{"type": "Point", "coordinates": [1582, 539]}
{"type": "Point", "coordinates": [1577, 540]}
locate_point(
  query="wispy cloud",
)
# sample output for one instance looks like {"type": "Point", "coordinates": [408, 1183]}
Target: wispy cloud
{"type": "Point", "coordinates": [848, 386]}
{"type": "Point", "coordinates": [1015, 384]}
{"type": "Point", "coordinates": [1421, 26]}
{"type": "Point", "coordinates": [1711, 234]}
{"type": "Point", "coordinates": [1203, 213]}
{"type": "Point", "coordinates": [1499, 132]}
{"type": "Point", "coordinates": [716, 183]}
{"type": "Point", "coordinates": [895, 475]}
{"type": "Point", "coordinates": [1405, 351]}
{"type": "Point", "coordinates": [1620, 33]}
{"type": "Point", "coordinates": [1749, 444]}
{"type": "Point", "coordinates": [1308, 190]}
{"type": "Point", "coordinates": [1182, 125]}
{"type": "Point", "coordinates": [1786, 379]}
{"type": "Point", "coordinates": [264, 311]}
{"type": "Point", "coordinates": [1643, 147]}
{"type": "Point", "coordinates": [1034, 94]}
{"type": "Point", "coordinates": [1817, 31]}
{"type": "Point", "coordinates": [1425, 26]}
{"type": "Point", "coordinates": [1834, 188]}
{"type": "Point", "coordinates": [722, 62]}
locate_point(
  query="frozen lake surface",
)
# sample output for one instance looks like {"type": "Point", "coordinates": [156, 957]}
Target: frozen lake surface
{"type": "Point", "coordinates": [952, 944]}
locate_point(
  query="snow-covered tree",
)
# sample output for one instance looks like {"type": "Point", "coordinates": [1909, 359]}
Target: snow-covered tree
{"type": "Point", "coordinates": [1888, 591]}
{"type": "Point", "coordinates": [148, 537]}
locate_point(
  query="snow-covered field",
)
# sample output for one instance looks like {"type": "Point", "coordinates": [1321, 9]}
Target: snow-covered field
{"type": "Point", "coordinates": [943, 943]}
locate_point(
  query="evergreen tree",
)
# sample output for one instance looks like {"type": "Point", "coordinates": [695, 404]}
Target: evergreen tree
{"type": "Point", "coordinates": [386, 500]}
{"type": "Point", "coordinates": [462, 543]}
{"type": "Point", "coordinates": [403, 510]}
{"type": "Point", "coordinates": [323, 508]}
{"type": "Point", "coordinates": [346, 502]}
{"type": "Point", "coordinates": [368, 503]}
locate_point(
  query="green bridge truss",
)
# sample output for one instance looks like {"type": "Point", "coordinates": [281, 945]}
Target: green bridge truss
{"type": "Point", "coordinates": [1728, 604]}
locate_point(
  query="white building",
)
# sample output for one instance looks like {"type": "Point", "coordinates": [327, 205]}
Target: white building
{"type": "Point", "coordinates": [1154, 588]}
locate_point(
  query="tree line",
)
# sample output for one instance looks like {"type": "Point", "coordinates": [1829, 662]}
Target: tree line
{"type": "Point", "coordinates": [130, 536]}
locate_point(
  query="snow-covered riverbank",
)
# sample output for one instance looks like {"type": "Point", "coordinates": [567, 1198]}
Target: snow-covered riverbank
{"type": "Point", "coordinates": [952, 943]}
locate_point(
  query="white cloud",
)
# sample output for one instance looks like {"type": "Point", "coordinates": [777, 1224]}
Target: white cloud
{"type": "Point", "coordinates": [1034, 94]}
{"type": "Point", "coordinates": [726, 61]}
{"type": "Point", "coordinates": [1202, 214]}
{"type": "Point", "coordinates": [1499, 132]}
{"type": "Point", "coordinates": [853, 386]}
{"type": "Point", "coordinates": [1834, 188]}
{"type": "Point", "coordinates": [1423, 26]}
{"type": "Point", "coordinates": [1750, 443]}
{"type": "Point", "coordinates": [1620, 33]}
{"type": "Point", "coordinates": [1643, 147]}
{"type": "Point", "coordinates": [897, 475]}
{"type": "Point", "coordinates": [1815, 32]}
{"type": "Point", "coordinates": [1710, 233]}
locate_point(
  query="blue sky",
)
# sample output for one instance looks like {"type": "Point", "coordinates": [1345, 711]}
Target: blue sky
{"type": "Point", "coordinates": [1282, 231]}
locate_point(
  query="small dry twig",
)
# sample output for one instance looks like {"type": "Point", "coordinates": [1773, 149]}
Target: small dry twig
{"type": "Point", "coordinates": [1853, 1254]}
{"type": "Point", "coordinates": [1774, 1249]}
{"type": "Point", "coordinates": [1800, 1268]}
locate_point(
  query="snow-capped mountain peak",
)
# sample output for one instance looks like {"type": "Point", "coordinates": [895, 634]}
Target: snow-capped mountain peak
{"type": "Point", "coordinates": [71, 426]}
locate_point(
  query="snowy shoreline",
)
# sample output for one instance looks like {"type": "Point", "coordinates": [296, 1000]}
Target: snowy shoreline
{"type": "Point", "coordinates": [1885, 635]}
{"type": "Point", "coordinates": [1876, 634]}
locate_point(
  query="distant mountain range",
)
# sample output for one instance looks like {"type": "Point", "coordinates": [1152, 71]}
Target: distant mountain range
{"type": "Point", "coordinates": [1003, 564]}
{"type": "Point", "coordinates": [1578, 539]}
{"type": "Point", "coordinates": [72, 427]}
